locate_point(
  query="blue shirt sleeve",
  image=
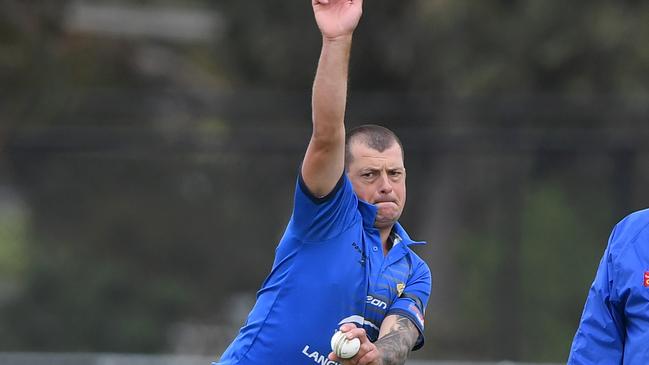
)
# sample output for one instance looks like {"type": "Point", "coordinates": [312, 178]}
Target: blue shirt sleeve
{"type": "Point", "coordinates": [600, 336]}
{"type": "Point", "coordinates": [412, 302]}
{"type": "Point", "coordinates": [316, 219]}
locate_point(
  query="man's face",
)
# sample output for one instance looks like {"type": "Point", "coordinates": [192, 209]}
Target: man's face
{"type": "Point", "coordinates": [379, 178]}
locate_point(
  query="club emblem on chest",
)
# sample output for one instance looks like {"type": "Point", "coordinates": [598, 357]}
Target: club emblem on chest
{"type": "Point", "coordinates": [400, 288]}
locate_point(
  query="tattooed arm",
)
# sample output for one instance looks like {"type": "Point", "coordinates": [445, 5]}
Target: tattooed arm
{"type": "Point", "coordinates": [397, 337]}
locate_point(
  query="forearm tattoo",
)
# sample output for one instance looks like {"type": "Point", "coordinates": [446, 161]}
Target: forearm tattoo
{"type": "Point", "coordinates": [396, 345]}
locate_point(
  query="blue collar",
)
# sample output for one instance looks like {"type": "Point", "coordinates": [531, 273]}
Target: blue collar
{"type": "Point", "coordinates": [368, 213]}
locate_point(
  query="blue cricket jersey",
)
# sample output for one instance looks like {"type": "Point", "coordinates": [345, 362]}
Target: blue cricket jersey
{"type": "Point", "coordinates": [329, 269]}
{"type": "Point", "coordinates": [614, 327]}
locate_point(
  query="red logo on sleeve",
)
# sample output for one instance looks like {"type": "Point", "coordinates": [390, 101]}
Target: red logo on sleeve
{"type": "Point", "coordinates": [420, 317]}
{"type": "Point", "coordinates": [646, 279]}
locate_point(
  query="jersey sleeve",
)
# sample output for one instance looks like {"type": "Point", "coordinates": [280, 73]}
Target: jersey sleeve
{"type": "Point", "coordinates": [413, 300]}
{"type": "Point", "coordinates": [600, 335]}
{"type": "Point", "coordinates": [316, 219]}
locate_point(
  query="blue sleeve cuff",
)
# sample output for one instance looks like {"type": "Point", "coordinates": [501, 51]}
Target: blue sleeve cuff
{"type": "Point", "coordinates": [320, 200]}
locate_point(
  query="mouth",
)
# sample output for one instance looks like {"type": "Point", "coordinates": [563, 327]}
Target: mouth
{"type": "Point", "coordinates": [385, 202]}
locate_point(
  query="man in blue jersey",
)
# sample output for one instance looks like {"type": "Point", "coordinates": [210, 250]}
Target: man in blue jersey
{"type": "Point", "coordinates": [344, 262]}
{"type": "Point", "coordinates": [614, 327]}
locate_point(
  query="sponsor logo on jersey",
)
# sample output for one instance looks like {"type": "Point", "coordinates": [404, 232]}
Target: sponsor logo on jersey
{"type": "Point", "coordinates": [376, 302]}
{"type": "Point", "coordinates": [646, 279]}
{"type": "Point", "coordinates": [400, 288]}
{"type": "Point", "coordinates": [317, 357]}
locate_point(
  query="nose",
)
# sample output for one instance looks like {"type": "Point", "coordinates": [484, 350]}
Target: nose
{"type": "Point", "coordinates": [386, 184]}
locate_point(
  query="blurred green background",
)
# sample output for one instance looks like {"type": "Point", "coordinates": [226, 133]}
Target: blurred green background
{"type": "Point", "coordinates": [149, 150]}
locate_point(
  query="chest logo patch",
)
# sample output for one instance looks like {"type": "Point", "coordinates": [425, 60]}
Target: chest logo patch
{"type": "Point", "coordinates": [402, 286]}
{"type": "Point", "coordinates": [646, 279]}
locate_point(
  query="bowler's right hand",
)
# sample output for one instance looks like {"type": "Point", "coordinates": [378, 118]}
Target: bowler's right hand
{"type": "Point", "coordinates": [337, 18]}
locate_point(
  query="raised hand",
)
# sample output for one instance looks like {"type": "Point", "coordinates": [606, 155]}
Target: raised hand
{"type": "Point", "coordinates": [337, 18]}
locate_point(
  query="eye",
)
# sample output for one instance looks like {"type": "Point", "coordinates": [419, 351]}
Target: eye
{"type": "Point", "coordinates": [368, 174]}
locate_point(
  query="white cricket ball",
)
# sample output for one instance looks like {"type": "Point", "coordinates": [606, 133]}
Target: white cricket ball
{"type": "Point", "coordinates": [344, 348]}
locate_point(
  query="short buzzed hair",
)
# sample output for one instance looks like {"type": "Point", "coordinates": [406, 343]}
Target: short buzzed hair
{"type": "Point", "coordinates": [373, 136]}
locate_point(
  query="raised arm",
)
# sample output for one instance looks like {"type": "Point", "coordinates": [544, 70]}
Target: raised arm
{"type": "Point", "coordinates": [325, 156]}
